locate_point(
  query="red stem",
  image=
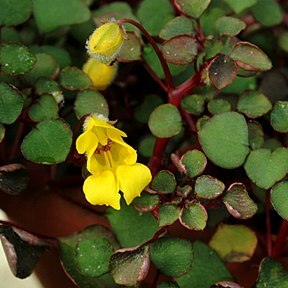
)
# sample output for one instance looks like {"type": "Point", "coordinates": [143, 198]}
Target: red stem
{"type": "Point", "coordinates": [280, 240]}
{"type": "Point", "coordinates": [268, 225]}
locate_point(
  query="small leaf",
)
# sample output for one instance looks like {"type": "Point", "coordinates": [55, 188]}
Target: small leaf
{"type": "Point", "coordinates": [194, 217]}
{"type": "Point", "coordinates": [131, 48]}
{"type": "Point", "coordinates": [48, 143]}
{"type": "Point", "coordinates": [265, 167]}
{"type": "Point", "coordinates": [279, 199]}
{"type": "Point", "coordinates": [229, 26]}
{"type": "Point", "coordinates": [224, 139]}
{"type": "Point", "coordinates": [168, 214]}
{"type": "Point", "coordinates": [194, 163]}
{"type": "Point", "coordinates": [2, 132]}
{"type": "Point", "coordinates": [130, 266]}
{"type": "Point", "coordinates": [16, 59]}
{"type": "Point", "coordinates": [254, 104]}
{"type": "Point", "coordinates": [130, 226]}
{"type": "Point", "coordinates": [240, 6]}
{"type": "Point", "coordinates": [146, 202]}
{"type": "Point", "coordinates": [207, 268]}
{"type": "Point", "coordinates": [172, 256]}
{"type": "Point", "coordinates": [72, 78]}
{"type": "Point", "coordinates": [272, 274]}
{"type": "Point", "coordinates": [164, 182]}
{"type": "Point", "coordinates": [283, 41]}
{"type": "Point", "coordinates": [193, 104]}
{"type": "Point", "coordinates": [13, 178]}
{"type": "Point", "coordinates": [238, 202]}
{"type": "Point", "coordinates": [193, 8]}
{"type": "Point", "coordinates": [217, 106]}
{"type": "Point", "coordinates": [90, 101]}
{"type": "Point", "coordinates": [256, 135]}
{"type": "Point", "coordinates": [179, 25]}
{"type": "Point", "coordinates": [180, 50]}
{"type": "Point", "coordinates": [22, 250]}
{"type": "Point", "coordinates": [154, 22]}
{"type": "Point", "coordinates": [168, 285]}
{"type": "Point", "coordinates": [165, 121]}
{"type": "Point", "coordinates": [14, 12]}
{"type": "Point", "coordinates": [279, 116]}
{"type": "Point", "coordinates": [241, 84]}
{"type": "Point", "coordinates": [222, 71]}
{"type": "Point", "coordinates": [208, 187]}
{"type": "Point", "coordinates": [208, 19]}
{"type": "Point", "coordinates": [47, 86]}
{"type": "Point", "coordinates": [234, 243]}
{"type": "Point", "coordinates": [146, 145]}
{"type": "Point", "coordinates": [54, 14]}
{"type": "Point", "coordinates": [11, 103]}
{"type": "Point", "coordinates": [250, 57]}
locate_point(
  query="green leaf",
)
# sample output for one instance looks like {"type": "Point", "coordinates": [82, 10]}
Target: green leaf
{"type": "Point", "coordinates": [234, 243]}
{"type": "Point", "coordinates": [208, 187]}
{"type": "Point", "coordinates": [208, 19]}
{"type": "Point", "coordinates": [217, 106]}
{"type": "Point", "coordinates": [11, 103]}
{"type": "Point", "coordinates": [172, 256]}
{"type": "Point", "coordinates": [272, 274]}
{"type": "Point", "coordinates": [48, 143]}
{"type": "Point", "coordinates": [13, 178]}
{"type": "Point", "coordinates": [50, 15]}
{"type": "Point", "coordinates": [146, 145]}
{"type": "Point", "coordinates": [2, 132]}
{"type": "Point", "coordinates": [207, 268]}
{"type": "Point", "coordinates": [194, 217]}
{"type": "Point", "coordinates": [45, 66]}
{"type": "Point", "coordinates": [165, 121]}
{"type": "Point", "coordinates": [180, 50]}
{"type": "Point", "coordinates": [90, 101]}
{"type": "Point", "coordinates": [168, 214]}
{"type": "Point", "coordinates": [152, 21]}
{"type": "Point", "coordinates": [256, 135]}
{"type": "Point", "coordinates": [267, 12]}
{"type": "Point", "coordinates": [193, 104]}
{"type": "Point", "coordinates": [44, 109]}
{"type": "Point", "coordinates": [238, 202]}
{"type": "Point", "coordinates": [14, 12]}
{"type": "Point", "coordinates": [9, 34]}
{"type": "Point", "coordinates": [240, 6]}
{"type": "Point", "coordinates": [250, 57]}
{"type": "Point", "coordinates": [16, 59]}
{"type": "Point", "coordinates": [265, 167]}
{"type": "Point", "coordinates": [131, 226]}
{"type": "Point", "coordinates": [279, 199]}
{"type": "Point", "coordinates": [72, 78]}
{"type": "Point", "coordinates": [229, 26]}
{"type": "Point", "coordinates": [224, 139]}
{"type": "Point", "coordinates": [254, 104]}
{"type": "Point", "coordinates": [164, 182]}
{"type": "Point", "coordinates": [146, 202]}
{"type": "Point", "coordinates": [168, 285]}
{"type": "Point", "coordinates": [130, 266]}
{"type": "Point", "coordinates": [69, 252]}
{"type": "Point", "coordinates": [283, 41]}
{"type": "Point", "coordinates": [240, 84]}
{"type": "Point", "coordinates": [222, 71]}
{"type": "Point", "coordinates": [51, 87]}
{"type": "Point", "coordinates": [22, 250]}
{"type": "Point", "coordinates": [131, 48]}
{"type": "Point", "coordinates": [194, 163]}
{"type": "Point", "coordinates": [179, 25]}
{"type": "Point", "coordinates": [193, 8]}
{"type": "Point", "coordinates": [279, 116]}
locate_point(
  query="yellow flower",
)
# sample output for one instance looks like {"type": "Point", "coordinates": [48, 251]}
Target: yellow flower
{"type": "Point", "coordinates": [112, 164]}
{"type": "Point", "coordinates": [101, 74]}
{"type": "Point", "coordinates": [105, 42]}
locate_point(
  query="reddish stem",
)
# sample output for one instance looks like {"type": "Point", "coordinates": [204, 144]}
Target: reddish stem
{"type": "Point", "coordinates": [268, 225]}
{"type": "Point", "coordinates": [280, 240]}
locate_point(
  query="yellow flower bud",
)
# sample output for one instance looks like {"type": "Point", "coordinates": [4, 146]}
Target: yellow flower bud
{"type": "Point", "coordinates": [105, 42]}
{"type": "Point", "coordinates": [101, 74]}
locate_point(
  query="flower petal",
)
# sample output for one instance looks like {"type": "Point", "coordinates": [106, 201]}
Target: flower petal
{"type": "Point", "coordinates": [102, 190]}
{"type": "Point", "coordinates": [132, 180]}
{"type": "Point", "coordinates": [86, 142]}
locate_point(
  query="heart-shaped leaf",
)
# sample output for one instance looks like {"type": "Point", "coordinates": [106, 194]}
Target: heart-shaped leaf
{"type": "Point", "coordinates": [239, 6]}
{"type": "Point", "coordinates": [229, 26]}
{"type": "Point", "coordinates": [193, 8]}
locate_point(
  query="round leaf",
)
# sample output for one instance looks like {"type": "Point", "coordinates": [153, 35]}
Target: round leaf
{"type": "Point", "coordinates": [279, 116]}
{"type": "Point", "coordinates": [146, 202]}
{"type": "Point", "coordinates": [16, 59]}
{"type": "Point", "coordinates": [224, 139]}
{"type": "Point", "coordinates": [165, 121]}
{"type": "Point", "coordinates": [217, 106]}
{"type": "Point", "coordinates": [279, 199]}
{"type": "Point", "coordinates": [229, 26]}
{"type": "Point", "coordinates": [193, 104]}
{"type": "Point", "coordinates": [234, 243]}
{"type": "Point", "coordinates": [48, 143]}
{"type": "Point", "coordinates": [193, 8]}
{"type": "Point", "coordinates": [90, 101]}
{"type": "Point", "coordinates": [180, 50]}
{"type": "Point", "coordinates": [14, 12]}
{"type": "Point", "coordinates": [194, 217]}
{"type": "Point", "coordinates": [131, 48]}
{"type": "Point", "coordinates": [172, 256]}
{"type": "Point", "coordinates": [164, 182]}
{"type": "Point", "coordinates": [208, 187]}
{"type": "Point", "coordinates": [11, 103]}
{"type": "Point", "coordinates": [256, 135]}
{"type": "Point", "coordinates": [265, 167]}
{"type": "Point", "coordinates": [194, 162]}
{"type": "Point", "coordinates": [168, 214]}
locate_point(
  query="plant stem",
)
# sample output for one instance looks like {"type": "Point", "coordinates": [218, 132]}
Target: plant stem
{"type": "Point", "coordinates": [18, 137]}
{"type": "Point", "coordinates": [268, 225]}
{"type": "Point", "coordinates": [280, 240]}
{"type": "Point", "coordinates": [168, 76]}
